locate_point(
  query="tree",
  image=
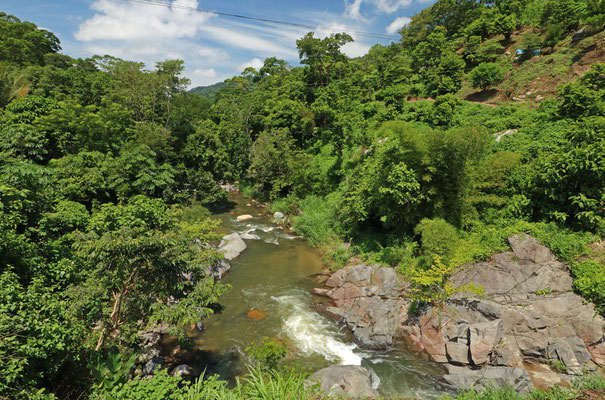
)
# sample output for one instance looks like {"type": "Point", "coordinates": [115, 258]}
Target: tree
{"type": "Point", "coordinates": [24, 42]}
{"type": "Point", "coordinates": [486, 74]}
{"type": "Point", "coordinates": [13, 85]}
{"type": "Point", "coordinates": [322, 54]}
{"type": "Point", "coordinates": [274, 161]}
{"type": "Point", "coordinates": [143, 264]}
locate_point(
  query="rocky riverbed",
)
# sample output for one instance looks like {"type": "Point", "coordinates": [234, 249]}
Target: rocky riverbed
{"type": "Point", "coordinates": [528, 329]}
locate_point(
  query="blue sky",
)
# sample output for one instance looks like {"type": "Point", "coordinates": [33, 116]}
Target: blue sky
{"type": "Point", "coordinates": [213, 47]}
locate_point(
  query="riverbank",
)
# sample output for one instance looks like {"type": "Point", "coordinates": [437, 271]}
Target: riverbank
{"type": "Point", "coordinates": [527, 330]}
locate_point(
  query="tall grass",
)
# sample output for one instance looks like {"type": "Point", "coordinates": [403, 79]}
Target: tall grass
{"type": "Point", "coordinates": [316, 220]}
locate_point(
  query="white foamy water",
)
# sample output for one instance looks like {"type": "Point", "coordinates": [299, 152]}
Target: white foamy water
{"type": "Point", "coordinates": [311, 333]}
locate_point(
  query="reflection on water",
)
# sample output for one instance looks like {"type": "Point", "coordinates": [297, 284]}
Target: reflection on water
{"type": "Point", "coordinates": [274, 275]}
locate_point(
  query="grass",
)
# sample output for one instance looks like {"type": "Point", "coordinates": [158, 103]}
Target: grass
{"type": "Point", "coordinates": [288, 385]}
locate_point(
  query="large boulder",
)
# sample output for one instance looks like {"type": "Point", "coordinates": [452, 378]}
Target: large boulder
{"type": "Point", "coordinates": [245, 217]}
{"type": "Point", "coordinates": [231, 246]}
{"type": "Point", "coordinates": [352, 381]}
{"type": "Point", "coordinates": [366, 300]}
{"type": "Point", "coordinates": [461, 378]}
{"type": "Point", "coordinates": [527, 248]}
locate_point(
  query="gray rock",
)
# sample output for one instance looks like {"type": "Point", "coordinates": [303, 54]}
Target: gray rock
{"type": "Point", "coordinates": [579, 348]}
{"type": "Point", "coordinates": [218, 270]}
{"type": "Point", "coordinates": [337, 279]}
{"type": "Point", "coordinates": [461, 378]}
{"type": "Point", "coordinates": [489, 309]}
{"type": "Point", "coordinates": [457, 353]}
{"type": "Point", "coordinates": [249, 236]}
{"type": "Point", "coordinates": [483, 337]}
{"type": "Point", "coordinates": [360, 274]}
{"type": "Point", "coordinates": [345, 380]}
{"type": "Point", "coordinates": [183, 370]}
{"type": "Point", "coordinates": [386, 277]}
{"type": "Point", "coordinates": [152, 365]}
{"type": "Point", "coordinates": [565, 350]}
{"type": "Point", "coordinates": [150, 338]}
{"type": "Point", "coordinates": [147, 353]}
{"type": "Point", "coordinates": [278, 215]}
{"type": "Point", "coordinates": [231, 246]}
{"type": "Point", "coordinates": [528, 248]}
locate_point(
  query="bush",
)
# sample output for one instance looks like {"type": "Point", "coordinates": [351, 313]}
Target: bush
{"type": "Point", "coordinates": [589, 281]}
{"type": "Point", "coordinates": [438, 238]}
{"type": "Point", "coordinates": [486, 75]}
{"type": "Point", "coordinates": [316, 220]}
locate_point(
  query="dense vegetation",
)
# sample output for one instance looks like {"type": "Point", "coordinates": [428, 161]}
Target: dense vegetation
{"type": "Point", "coordinates": [101, 160]}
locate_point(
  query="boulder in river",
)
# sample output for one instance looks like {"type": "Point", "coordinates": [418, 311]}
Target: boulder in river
{"type": "Point", "coordinates": [183, 371]}
{"type": "Point", "coordinates": [257, 315]}
{"type": "Point", "coordinates": [352, 381]}
{"type": "Point", "coordinates": [231, 246]}
{"type": "Point", "coordinates": [152, 365]}
{"type": "Point", "coordinates": [249, 236]}
{"type": "Point", "coordinates": [218, 270]}
{"type": "Point", "coordinates": [245, 217]}
{"type": "Point", "coordinates": [277, 215]}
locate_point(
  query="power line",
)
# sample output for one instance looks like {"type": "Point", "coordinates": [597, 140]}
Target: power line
{"type": "Point", "coordinates": [271, 21]}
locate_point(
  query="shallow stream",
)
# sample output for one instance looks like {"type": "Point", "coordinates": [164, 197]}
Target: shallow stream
{"type": "Point", "coordinates": [275, 275]}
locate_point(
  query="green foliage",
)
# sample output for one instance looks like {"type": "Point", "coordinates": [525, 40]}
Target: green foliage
{"type": "Point", "coordinates": [24, 42]}
{"type": "Point", "coordinates": [438, 238]}
{"type": "Point", "coordinates": [22, 142]}
{"type": "Point", "coordinates": [589, 280]}
{"type": "Point", "coordinates": [268, 353]}
{"type": "Point", "coordinates": [322, 54]}
{"type": "Point", "coordinates": [126, 249]}
{"type": "Point", "coordinates": [274, 162]}
{"type": "Point", "coordinates": [315, 221]}
{"type": "Point", "coordinates": [431, 285]}
{"type": "Point", "coordinates": [111, 370]}
{"type": "Point", "coordinates": [486, 75]}
{"type": "Point", "coordinates": [160, 387]}
{"type": "Point", "coordinates": [97, 153]}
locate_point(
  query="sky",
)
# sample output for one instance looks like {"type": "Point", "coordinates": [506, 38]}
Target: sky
{"type": "Point", "coordinates": [213, 47]}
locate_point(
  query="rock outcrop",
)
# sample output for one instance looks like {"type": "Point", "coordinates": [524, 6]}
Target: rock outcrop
{"type": "Point", "coordinates": [352, 381]}
{"type": "Point", "coordinates": [368, 301]}
{"type": "Point", "coordinates": [528, 328]}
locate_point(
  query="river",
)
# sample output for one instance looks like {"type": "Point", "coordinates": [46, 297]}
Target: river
{"type": "Point", "coordinates": [275, 275]}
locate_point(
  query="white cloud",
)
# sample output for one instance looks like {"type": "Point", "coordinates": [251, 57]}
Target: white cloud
{"type": "Point", "coordinates": [353, 9]}
{"type": "Point", "coordinates": [136, 21]}
{"type": "Point", "coordinates": [397, 24]}
{"type": "Point", "coordinates": [207, 76]}
{"type": "Point", "coordinates": [390, 6]}
{"type": "Point", "coordinates": [255, 63]}
{"type": "Point", "coordinates": [213, 54]}
{"type": "Point", "coordinates": [355, 49]}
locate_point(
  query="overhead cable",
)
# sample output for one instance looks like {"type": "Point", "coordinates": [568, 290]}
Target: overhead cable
{"type": "Point", "coordinates": [271, 21]}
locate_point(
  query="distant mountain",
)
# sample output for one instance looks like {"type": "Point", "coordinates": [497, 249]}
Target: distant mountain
{"type": "Point", "coordinates": [209, 92]}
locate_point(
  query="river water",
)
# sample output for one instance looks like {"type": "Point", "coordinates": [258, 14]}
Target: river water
{"type": "Point", "coordinates": [275, 275]}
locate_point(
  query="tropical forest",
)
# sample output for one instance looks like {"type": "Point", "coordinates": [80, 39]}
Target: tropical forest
{"type": "Point", "coordinates": [423, 221]}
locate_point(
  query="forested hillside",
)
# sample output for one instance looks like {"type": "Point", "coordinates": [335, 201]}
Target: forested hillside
{"type": "Point", "coordinates": [393, 157]}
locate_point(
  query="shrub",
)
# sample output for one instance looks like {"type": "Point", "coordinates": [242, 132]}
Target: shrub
{"type": "Point", "coordinates": [486, 75]}
{"type": "Point", "coordinates": [438, 238]}
{"type": "Point", "coordinates": [590, 281]}
{"type": "Point", "coordinates": [316, 220]}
